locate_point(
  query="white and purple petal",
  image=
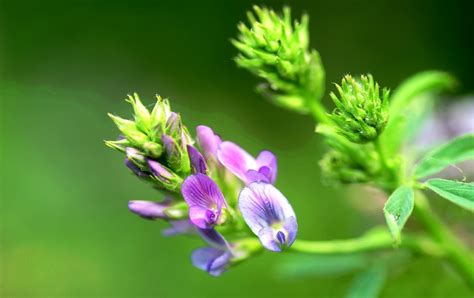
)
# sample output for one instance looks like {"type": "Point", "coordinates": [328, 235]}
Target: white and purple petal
{"type": "Point", "coordinates": [205, 200]}
{"type": "Point", "coordinates": [269, 215]}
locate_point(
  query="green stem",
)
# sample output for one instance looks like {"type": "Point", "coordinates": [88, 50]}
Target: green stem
{"type": "Point", "coordinates": [456, 252]}
{"type": "Point", "coordinates": [381, 152]}
{"type": "Point", "coordinates": [377, 239]}
{"type": "Point", "coordinates": [318, 111]}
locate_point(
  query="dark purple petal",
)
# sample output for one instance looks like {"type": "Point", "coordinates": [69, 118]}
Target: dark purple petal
{"type": "Point", "coordinates": [267, 212]}
{"type": "Point", "coordinates": [214, 238]}
{"type": "Point", "coordinates": [212, 260]}
{"type": "Point", "coordinates": [198, 164]}
{"type": "Point", "coordinates": [236, 160]}
{"type": "Point", "coordinates": [208, 141]}
{"type": "Point", "coordinates": [179, 227]}
{"type": "Point", "coordinates": [204, 198]}
{"type": "Point", "coordinates": [148, 209]}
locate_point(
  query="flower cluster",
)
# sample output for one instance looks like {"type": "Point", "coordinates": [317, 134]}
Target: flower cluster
{"type": "Point", "coordinates": [361, 113]}
{"type": "Point", "coordinates": [214, 189]}
{"type": "Point", "coordinates": [275, 49]}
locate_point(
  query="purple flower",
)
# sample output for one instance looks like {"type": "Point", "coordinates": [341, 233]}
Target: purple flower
{"type": "Point", "coordinates": [269, 215]}
{"type": "Point", "coordinates": [148, 209]}
{"type": "Point", "coordinates": [216, 258]}
{"type": "Point", "coordinates": [205, 200]}
{"type": "Point", "coordinates": [198, 164]}
{"type": "Point", "coordinates": [208, 141]}
{"type": "Point", "coordinates": [244, 166]}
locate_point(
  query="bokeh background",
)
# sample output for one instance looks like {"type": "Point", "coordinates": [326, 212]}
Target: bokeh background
{"type": "Point", "coordinates": [64, 225]}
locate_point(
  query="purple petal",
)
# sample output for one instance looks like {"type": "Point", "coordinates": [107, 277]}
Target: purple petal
{"type": "Point", "coordinates": [267, 165]}
{"type": "Point", "coordinates": [236, 160]}
{"type": "Point", "coordinates": [208, 141]}
{"type": "Point", "coordinates": [291, 226]}
{"type": "Point", "coordinates": [214, 239]}
{"type": "Point", "coordinates": [212, 260]}
{"type": "Point", "coordinates": [267, 212]}
{"type": "Point", "coordinates": [159, 170]}
{"type": "Point", "coordinates": [198, 163]}
{"type": "Point", "coordinates": [179, 227]}
{"type": "Point", "coordinates": [148, 209]}
{"type": "Point", "coordinates": [204, 198]}
{"type": "Point", "coordinates": [257, 176]}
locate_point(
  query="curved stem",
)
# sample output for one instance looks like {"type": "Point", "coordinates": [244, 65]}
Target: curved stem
{"type": "Point", "coordinates": [456, 252]}
{"type": "Point", "coordinates": [377, 239]}
{"type": "Point", "coordinates": [319, 113]}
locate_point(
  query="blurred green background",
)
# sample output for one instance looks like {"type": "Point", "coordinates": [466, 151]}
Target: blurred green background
{"type": "Point", "coordinates": [65, 228]}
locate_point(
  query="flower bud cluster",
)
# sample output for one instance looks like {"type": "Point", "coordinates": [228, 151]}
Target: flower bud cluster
{"type": "Point", "coordinates": [361, 112]}
{"type": "Point", "coordinates": [155, 143]}
{"type": "Point", "coordinates": [276, 49]}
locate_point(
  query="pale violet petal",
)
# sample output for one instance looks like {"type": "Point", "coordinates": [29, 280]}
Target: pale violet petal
{"type": "Point", "coordinates": [236, 160]}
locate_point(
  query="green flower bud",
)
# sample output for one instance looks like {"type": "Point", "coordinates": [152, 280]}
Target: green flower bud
{"type": "Point", "coordinates": [338, 167]}
{"type": "Point", "coordinates": [118, 145]}
{"type": "Point", "coordinates": [129, 130]}
{"type": "Point", "coordinates": [152, 149]}
{"type": "Point", "coordinates": [275, 49]}
{"type": "Point", "coordinates": [164, 176]}
{"type": "Point", "coordinates": [361, 113]}
{"type": "Point", "coordinates": [142, 116]}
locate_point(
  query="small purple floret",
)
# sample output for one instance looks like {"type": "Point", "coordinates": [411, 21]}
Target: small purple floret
{"type": "Point", "coordinates": [205, 200]}
{"type": "Point", "coordinates": [269, 215]}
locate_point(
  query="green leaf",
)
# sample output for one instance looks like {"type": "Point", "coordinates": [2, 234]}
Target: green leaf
{"type": "Point", "coordinates": [410, 103]}
{"type": "Point", "coordinates": [298, 266]}
{"type": "Point", "coordinates": [397, 209]}
{"type": "Point", "coordinates": [369, 283]}
{"type": "Point", "coordinates": [459, 193]}
{"type": "Point", "coordinates": [459, 149]}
